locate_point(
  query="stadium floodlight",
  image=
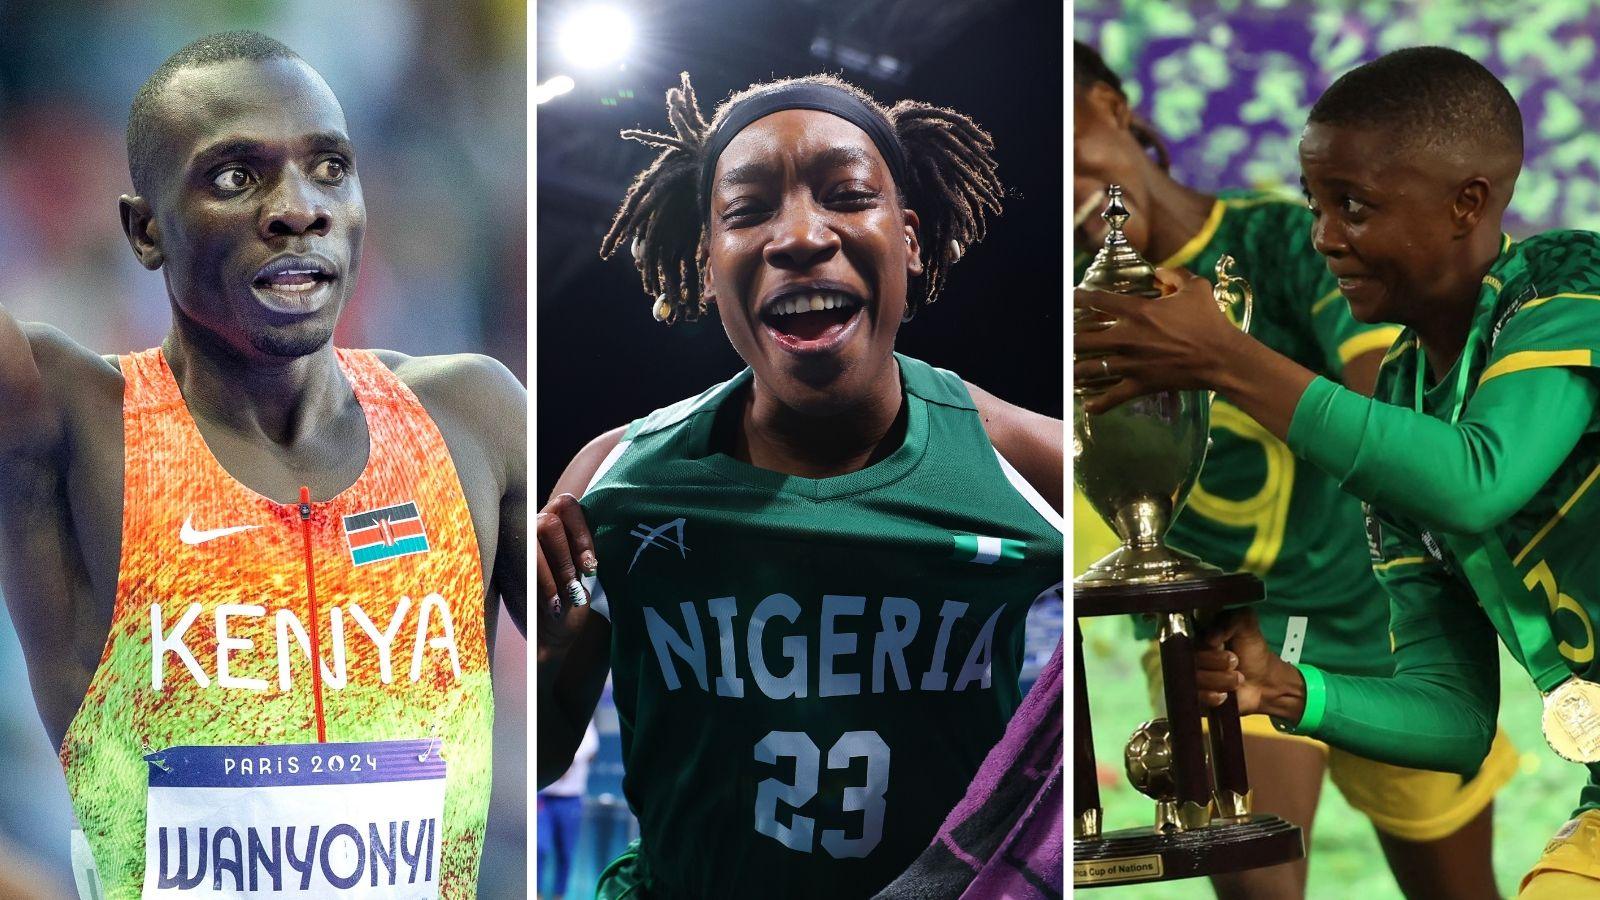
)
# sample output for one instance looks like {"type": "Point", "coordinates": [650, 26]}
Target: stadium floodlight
{"type": "Point", "coordinates": [596, 35]}
{"type": "Point", "coordinates": [553, 88]}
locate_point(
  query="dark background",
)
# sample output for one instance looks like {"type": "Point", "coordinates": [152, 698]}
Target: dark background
{"type": "Point", "coordinates": [604, 361]}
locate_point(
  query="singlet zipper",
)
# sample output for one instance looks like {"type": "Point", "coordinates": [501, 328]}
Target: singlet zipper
{"type": "Point", "coordinates": [311, 596]}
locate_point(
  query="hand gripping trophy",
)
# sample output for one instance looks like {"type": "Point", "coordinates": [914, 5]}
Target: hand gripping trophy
{"type": "Point", "coordinates": [1136, 465]}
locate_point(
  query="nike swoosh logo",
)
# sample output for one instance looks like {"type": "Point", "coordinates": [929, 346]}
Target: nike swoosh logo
{"type": "Point", "coordinates": [190, 536]}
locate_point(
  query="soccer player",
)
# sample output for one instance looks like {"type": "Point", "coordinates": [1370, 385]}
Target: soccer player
{"type": "Point", "coordinates": [254, 575]}
{"type": "Point", "coordinates": [1479, 455]}
{"type": "Point", "coordinates": [1256, 509]}
{"type": "Point", "coordinates": [810, 580]}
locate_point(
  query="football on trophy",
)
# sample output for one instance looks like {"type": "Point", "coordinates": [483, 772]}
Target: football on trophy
{"type": "Point", "coordinates": [1148, 757]}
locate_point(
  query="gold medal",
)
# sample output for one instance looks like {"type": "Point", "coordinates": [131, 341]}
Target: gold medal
{"type": "Point", "coordinates": [1572, 720]}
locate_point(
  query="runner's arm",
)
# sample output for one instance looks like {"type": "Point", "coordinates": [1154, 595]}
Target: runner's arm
{"type": "Point", "coordinates": [1464, 478]}
{"type": "Point", "coordinates": [29, 417]}
{"type": "Point", "coordinates": [574, 642]}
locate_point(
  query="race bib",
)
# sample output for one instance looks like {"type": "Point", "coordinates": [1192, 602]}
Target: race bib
{"type": "Point", "coordinates": [357, 820]}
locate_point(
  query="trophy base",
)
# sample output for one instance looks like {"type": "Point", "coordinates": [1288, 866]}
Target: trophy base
{"type": "Point", "coordinates": [1149, 564]}
{"type": "Point", "coordinates": [1140, 855]}
{"type": "Point", "coordinates": [1204, 594]}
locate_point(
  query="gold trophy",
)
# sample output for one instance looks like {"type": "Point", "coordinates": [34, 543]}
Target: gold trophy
{"type": "Point", "coordinates": [1136, 465]}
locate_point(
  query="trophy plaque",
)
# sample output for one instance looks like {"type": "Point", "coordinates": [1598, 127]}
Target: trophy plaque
{"type": "Point", "coordinates": [1136, 465]}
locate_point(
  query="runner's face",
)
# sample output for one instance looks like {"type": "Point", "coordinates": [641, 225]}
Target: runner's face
{"type": "Point", "coordinates": [259, 215]}
{"type": "Point", "coordinates": [804, 216]}
{"type": "Point", "coordinates": [1383, 219]}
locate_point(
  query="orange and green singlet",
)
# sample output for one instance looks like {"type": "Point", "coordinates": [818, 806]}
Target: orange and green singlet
{"type": "Point", "coordinates": [224, 598]}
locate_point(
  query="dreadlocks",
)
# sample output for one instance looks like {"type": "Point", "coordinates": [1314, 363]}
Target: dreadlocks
{"type": "Point", "coordinates": [951, 183]}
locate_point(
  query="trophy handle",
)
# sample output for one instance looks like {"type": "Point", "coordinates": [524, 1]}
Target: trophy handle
{"type": "Point", "coordinates": [1227, 284]}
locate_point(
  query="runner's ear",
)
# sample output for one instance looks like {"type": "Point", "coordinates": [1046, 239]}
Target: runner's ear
{"type": "Point", "coordinates": [144, 235]}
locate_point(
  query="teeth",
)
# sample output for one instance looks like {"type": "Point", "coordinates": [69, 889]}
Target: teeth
{"type": "Point", "coordinates": [810, 303]}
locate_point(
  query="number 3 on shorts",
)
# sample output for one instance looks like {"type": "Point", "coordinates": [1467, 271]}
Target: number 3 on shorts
{"type": "Point", "coordinates": [867, 799]}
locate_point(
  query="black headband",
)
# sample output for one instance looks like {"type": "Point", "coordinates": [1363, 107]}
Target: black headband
{"type": "Point", "coordinates": [806, 95]}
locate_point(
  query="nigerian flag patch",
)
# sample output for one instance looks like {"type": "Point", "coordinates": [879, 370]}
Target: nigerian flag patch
{"type": "Point", "coordinates": [988, 551]}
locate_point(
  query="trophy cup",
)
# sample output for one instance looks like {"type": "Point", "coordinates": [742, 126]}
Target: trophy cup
{"type": "Point", "coordinates": [1136, 465]}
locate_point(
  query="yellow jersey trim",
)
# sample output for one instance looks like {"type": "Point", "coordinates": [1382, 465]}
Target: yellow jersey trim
{"type": "Point", "coordinates": [1556, 519]}
{"type": "Point", "coordinates": [1401, 561]}
{"type": "Point", "coordinates": [1368, 341]}
{"type": "Point", "coordinates": [1534, 359]}
{"type": "Point", "coordinates": [1201, 238]}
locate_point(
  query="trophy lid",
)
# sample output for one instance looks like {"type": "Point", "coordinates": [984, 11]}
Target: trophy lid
{"type": "Point", "coordinates": [1117, 267]}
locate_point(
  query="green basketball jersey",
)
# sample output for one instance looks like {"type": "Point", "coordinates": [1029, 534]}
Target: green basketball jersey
{"type": "Point", "coordinates": [809, 672]}
{"type": "Point", "coordinates": [1256, 507]}
{"type": "Point", "coordinates": [1539, 306]}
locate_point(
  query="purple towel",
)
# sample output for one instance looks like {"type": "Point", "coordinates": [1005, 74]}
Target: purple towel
{"type": "Point", "coordinates": [1006, 839]}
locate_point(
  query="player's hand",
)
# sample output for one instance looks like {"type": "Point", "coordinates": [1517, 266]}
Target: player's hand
{"type": "Point", "coordinates": [1136, 346]}
{"type": "Point", "coordinates": [1234, 656]}
{"type": "Point", "coordinates": [565, 549]}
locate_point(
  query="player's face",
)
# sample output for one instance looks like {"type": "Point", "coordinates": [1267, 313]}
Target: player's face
{"type": "Point", "coordinates": [809, 255]}
{"type": "Point", "coordinates": [1383, 220]}
{"type": "Point", "coordinates": [1105, 152]}
{"type": "Point", "coordinates": [259, 215]}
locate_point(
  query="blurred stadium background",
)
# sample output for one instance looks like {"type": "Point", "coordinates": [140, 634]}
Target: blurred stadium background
{"type": "Point", "coordinates": [1228, 84]}
{"type": "Point", "coordinates": [435, 95]}
{"type": "Point", "coordinates": [604, 361]}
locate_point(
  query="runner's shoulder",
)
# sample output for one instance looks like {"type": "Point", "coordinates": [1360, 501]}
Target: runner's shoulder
{"type": "Point", "coordinates": [75, 385]}
{"type": "Point", "coordinates": [468, 391]}
{"type": "Point", "coordinates": [462, 382]}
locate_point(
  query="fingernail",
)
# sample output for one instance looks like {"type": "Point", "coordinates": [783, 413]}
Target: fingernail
{"type": "Point", "coordinates": [589, 563]}
{"type": "Point", "coordinates": [1233, 661]}
{"type": "Point", "coordinates": [555, 606]}
{"type": "Point", "coordinates": [1238, 679]}
{"type": "Point", "coordinates": [575, 593]}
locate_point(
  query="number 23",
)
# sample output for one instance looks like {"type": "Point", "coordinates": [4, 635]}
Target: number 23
{"type": "Point", "coordinates": [867, 799]}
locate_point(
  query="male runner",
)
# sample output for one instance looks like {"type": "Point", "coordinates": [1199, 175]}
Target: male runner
{"type": "Point", "coordinates": [1477, 459]}
{"type": "Point", "coordinates": [188, 528]}
{"type": "Point", "coordinates": [1257, 509]}
{"type": "Point", "coordinates": [811, 579]}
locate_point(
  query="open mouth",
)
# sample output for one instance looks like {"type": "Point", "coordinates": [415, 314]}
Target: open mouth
{"type": "Point", "coordinates": [293, 283]}
{"type": "Point", "coordinates": [811, 321]}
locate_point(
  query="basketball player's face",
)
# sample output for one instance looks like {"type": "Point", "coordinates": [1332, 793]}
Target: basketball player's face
{"type": "Point", "coordinates": [1383, 220]}
{"type": "Point", "coordinates": [259, 214]}
{"type": "Point", "coordinates": [809, 255]}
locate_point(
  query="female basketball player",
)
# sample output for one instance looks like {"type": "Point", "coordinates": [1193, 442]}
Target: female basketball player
{"type": "Point", "coordinates": [809, 582]}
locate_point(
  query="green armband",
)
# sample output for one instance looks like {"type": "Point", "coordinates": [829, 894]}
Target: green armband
{"type": "Point", "coordinates": [1316, 702]}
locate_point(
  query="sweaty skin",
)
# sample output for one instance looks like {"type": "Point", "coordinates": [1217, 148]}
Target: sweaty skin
{"type": "Point", "coordinates": [259, 166]}
{"type": "Point", "coordinates": [800, 199]}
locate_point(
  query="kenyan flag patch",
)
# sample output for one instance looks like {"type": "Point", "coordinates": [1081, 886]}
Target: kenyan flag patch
{"type": "Point", "coordinates": [385, 533]}
{"type": "Point", "coordinates": [988, 551]}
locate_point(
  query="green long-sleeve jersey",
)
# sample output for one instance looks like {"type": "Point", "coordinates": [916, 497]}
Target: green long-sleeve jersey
{"type": "Point", "coordinates": [1481, 518]}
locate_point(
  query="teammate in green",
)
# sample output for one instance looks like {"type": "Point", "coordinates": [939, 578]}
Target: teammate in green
{"type": "Point", "coordinates": [809, 583]}
{"type": "Point", "coordinates": [1258, 509]}
{"type": "Point", "coordinates": [1482, 518]}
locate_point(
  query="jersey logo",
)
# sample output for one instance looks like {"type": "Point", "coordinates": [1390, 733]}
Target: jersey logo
{"type": "Point", "coordinates": [649, 537]}
{"type": "Point", "coordinates": [1527, 294]}
{"type": "Point", "coordinates": [194, 537]}
{"type": "Point", "coordinates": [1374, 533]}
{"type": "Point", "coordinates": [385, 533]}
{"type": "Point", "coordinates": [988, 551]}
